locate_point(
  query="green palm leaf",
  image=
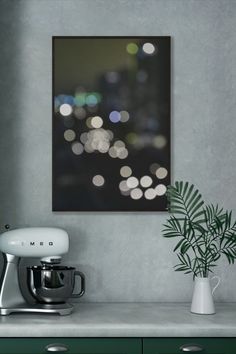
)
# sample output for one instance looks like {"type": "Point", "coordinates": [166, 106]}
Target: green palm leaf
{"type": "Point", "coordinates": [204, 232]}
{"type": "Point", "coordinates": [184, 199]}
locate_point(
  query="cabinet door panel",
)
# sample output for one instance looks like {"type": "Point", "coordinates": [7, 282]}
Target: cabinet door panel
{"type": "Point", "coordinates": [173, 345]}
{"type": "Point", "coordinates": [73, 345]}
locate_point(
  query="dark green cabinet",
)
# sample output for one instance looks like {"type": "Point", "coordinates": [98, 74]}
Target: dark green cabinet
{"type": "Point", "coordinates": [117, 345]}
{"type": "Point", "coordinates": [189, 345]}
{"type": "Point", "coordinates": [71, 345]}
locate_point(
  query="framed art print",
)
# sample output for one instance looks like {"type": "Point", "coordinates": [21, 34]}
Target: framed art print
{"type": "Point", "coordinates": [111, 123]}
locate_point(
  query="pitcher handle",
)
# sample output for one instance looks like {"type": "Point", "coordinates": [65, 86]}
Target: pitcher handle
{"type": "Point", "coordinates": [82, 291]}
{"type": "Point", "coordinates": [217, 284]}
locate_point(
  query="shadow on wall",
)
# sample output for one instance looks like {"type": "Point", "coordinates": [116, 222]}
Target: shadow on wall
{"type": "Point", "coordinates": [10, 87]}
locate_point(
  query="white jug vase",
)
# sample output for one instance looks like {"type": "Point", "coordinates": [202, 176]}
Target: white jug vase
{"type": "Point", "coordinates": [202, 301]}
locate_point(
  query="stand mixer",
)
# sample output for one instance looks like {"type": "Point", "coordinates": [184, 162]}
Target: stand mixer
{"type": "Point", "coordinates": [50, 285]}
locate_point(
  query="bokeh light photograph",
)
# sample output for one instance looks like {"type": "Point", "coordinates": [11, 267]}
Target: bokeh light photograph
{"type": "Point", "coordinates": [111, 123]}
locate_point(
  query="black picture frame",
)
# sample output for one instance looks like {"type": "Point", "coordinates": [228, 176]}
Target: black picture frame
{"type": "Point", "coordinates": [69, 191]}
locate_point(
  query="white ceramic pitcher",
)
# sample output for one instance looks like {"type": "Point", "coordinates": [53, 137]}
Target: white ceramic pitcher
{"type": "Point", "coordinates": [202, 301]}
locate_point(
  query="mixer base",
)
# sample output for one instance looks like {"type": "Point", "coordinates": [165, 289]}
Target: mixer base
{"type": "Point", "coordinates": [60, 309]}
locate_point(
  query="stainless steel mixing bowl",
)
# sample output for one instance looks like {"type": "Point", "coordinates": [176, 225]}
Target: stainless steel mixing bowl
{"type": "Point", "coordinates": [53, 284]}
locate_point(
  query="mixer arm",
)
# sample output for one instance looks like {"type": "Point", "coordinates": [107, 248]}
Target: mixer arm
{"type": "Point", "coordinates": [10, 293]}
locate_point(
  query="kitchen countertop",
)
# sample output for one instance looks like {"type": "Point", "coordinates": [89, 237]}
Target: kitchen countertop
{"type": "Point", "coordinates": [124, 320]}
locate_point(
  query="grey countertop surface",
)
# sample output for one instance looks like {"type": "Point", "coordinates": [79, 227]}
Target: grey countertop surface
{"type": "Point", "coordinates": [124, 320]}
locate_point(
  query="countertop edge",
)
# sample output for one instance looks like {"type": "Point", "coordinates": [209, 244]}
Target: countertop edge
{"type": "Point", "coordinates": [123, 320]}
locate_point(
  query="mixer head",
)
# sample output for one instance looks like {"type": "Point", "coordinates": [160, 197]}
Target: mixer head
{"type": "Point", "coordinates": [47, 243]}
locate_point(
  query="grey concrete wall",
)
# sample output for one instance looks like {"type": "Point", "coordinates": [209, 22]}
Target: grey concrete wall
{"type": "Point", "coordinates": [124, 256]}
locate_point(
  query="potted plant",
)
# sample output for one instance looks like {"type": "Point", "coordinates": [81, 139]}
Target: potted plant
{"type": "Point", "coordinates": [204, 233]}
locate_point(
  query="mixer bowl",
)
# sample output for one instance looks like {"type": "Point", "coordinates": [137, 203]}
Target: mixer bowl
{"type": "Point", "coordinates": [53, 284]}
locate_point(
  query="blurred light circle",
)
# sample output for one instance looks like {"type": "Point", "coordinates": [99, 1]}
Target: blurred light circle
{"type": "Point", "coordinates": [110, 134]}
{"type": "Point", "coordinates": [136, 193]}
{"type": "Point", "coordinates": [122, 153]}
{"type": "Point", "coordinates": [88, 122]}
{"type": "Point", "coordinates": [77, 148]}
{"type": "Point", "coordinates": [80, 99]}
{"type": "Point", "coordinates": [123, 186]}
{"type": "Point", "coordinates": [65, 109]}
{"type": "Point", "coordinates": [145, 140]}
{"type": "Point", "coordinates": [125, 193]}
{"type": "Point", "coordinates": [161, 172]}
{"type": "Point", "coordinates": [56, 104]}
{"type": "Point", "coordinates": [69, 99]}
{"type": "Point", "coordinates": [132, 182]}
{"type": "Point", "coordinates": [131, 138]}
{"type": "Point", "coordinates": [112, 77]}
{"type": "Point", "coordinates": [132, 48]}
{"type": "Point", "coordinates": [105, 133]}
{"type": "Point", "coordinates": [146, 181]}
{"type": "Point", "coordinates": [69, 135]}
{"type": "Point", "coordinates": [91, 100]}
{"type": "Point", "coordinates": [159, 141]}
{"type": "Point", "coordinates": [160, 189]}
{"type": "Point", "coordinates": [148, 48]}
{"type": "Point", "coordinates": [119, 144]}
{"type": "Point", "coordinates": [94, 143]}
{"type": "Point", "coordinates": [150, 193]}
{"type": "Point", "coordinates": [125, 171]}
{"type": "Point", "coordinates": [153, 167]}
{"type": "Point", "coordinates": [99, 140]}
{"type": "Point", "coordinates": [114, 116]}
{"type": "Point", "coordinates": [66, 99]}
{"type": "Point", "coordinates": [142, 76]}
{"type": "Point", "coordinates": [113, 152]}
{"type": "Point", "coordinates": [62, 99]}
{"type": "Point", "coordinates": [98, 181]}
{"type": "Point", "coordinates": [88, 147]}
{"type": "Point", "coordinates": [96, 122]}
{"type": "Point", "coordinates": [124, 116]}
{"type": "Point", "coordinates": [84, 137]}
{"type": "Point", "coordinates": [79, 112]}
{"type": "Point", "coordinates": [103, 147]}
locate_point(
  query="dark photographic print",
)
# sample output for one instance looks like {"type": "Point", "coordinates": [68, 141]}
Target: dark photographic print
{"type": "Point", "coordinates": [111, 123]}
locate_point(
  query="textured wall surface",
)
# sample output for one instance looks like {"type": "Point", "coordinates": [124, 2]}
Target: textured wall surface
{"type": "Point", "coordinates": [124, 256]}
